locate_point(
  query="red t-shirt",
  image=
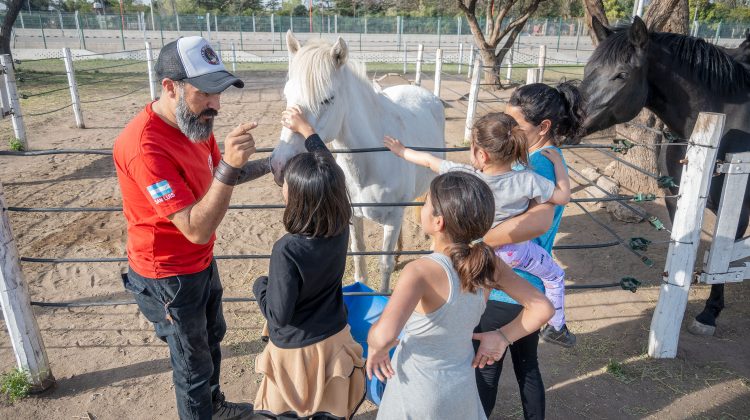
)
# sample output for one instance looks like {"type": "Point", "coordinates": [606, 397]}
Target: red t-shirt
{"type": "Point", "coordinates": [161, 172]}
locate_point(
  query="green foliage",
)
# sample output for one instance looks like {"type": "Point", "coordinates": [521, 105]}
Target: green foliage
{"type": "Point", "coordinates": [618, 10]}
{"type": "Point", "coordinates": [15, 145]}
{"type": "Point", "coordinates": [15, 384]}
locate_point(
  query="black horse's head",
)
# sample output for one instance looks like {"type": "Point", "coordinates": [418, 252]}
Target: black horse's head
{"type": "Point", "coordinates": [614, 82]}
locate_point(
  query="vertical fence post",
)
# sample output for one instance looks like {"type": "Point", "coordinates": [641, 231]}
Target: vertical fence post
{"type": "Point", "coordinates": [143, 25]}
{"type": "Point", "coordinates": [336, 24]}
{"type": "Point", "coordinates": [216, 23]}
{"type": "Point", "coordinates": [19, 128]}
{"type": "Point", "coordinates": [41, 26]}
{"type": "Point", "coordinates": [152, 82]}
{"type": "Point", "coordinates": [510, 65]}
{"type": "Point", "coordinates": [559, 32]}
{"type": "Point", "coordinates": [685, 236]}
{"type": "Point", "coordinates": [177, 20]}
{"type": "Point", "coordinates": [78, 30]}
{"type": "Point", "coordinates": [329, 24]}
{"type": "Point", "coordinates": [472, 54]}
{"type": "Point", "coordinates": [473, 94]}
{"type": "Point", "coordinates": [272, 28]}
{"type": "Point", "coordinates": [458, 29]}
{"type": "Point", "coordinates": [438, 71]}
{"type": "Point", "coordinates": [532, 76]}
{"type": "Point", "coordinates": [460, 57]}
{"type": "Point", "coordinates": [122, 35]}
{"type": "Point", "coordinates": [208, 27]}
{"type": "Point", "coordinates": [418, 72]}
{"type": "Point", "coordinates": [239, 24]}
{"type": "Point", "coordinates": [234, 59]}
{"type": "Point", "coordinates": [20, 16]}
{"type": "Point", "coordinates": [405, 58]}
{"type": "Point", "coordinates": [23, 329]}
{"type": "Point", "coordinates": [398, 31]}
{"type": "Point", "coordinates": [438, 31]}
{"type": "Point", "coordinates": [161, 31]}
{"type": "Point", "coordinates": [718, 31]}
{"type": "Point", "coordinates": [578, 35]}
{"type": "Point", "coordinates": [542, 60]}
{"type": "Point", "coordinates": [253, 22]}
{"type": "Point", "coordinates": [365, 25]}
{"type": "Point", "coordinates": [291, 23]}
{"type": "Point", "coordinates": [62, 27]}
{"type": "Point", "coordinates": [68, 59]}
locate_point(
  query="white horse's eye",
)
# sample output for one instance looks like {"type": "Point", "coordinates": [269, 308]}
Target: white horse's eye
{"type": "Point", "coordinates": [328, 101]}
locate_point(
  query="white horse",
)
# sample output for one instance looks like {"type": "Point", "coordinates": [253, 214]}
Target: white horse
{"type": "Point", "coordinates": [349, 113]}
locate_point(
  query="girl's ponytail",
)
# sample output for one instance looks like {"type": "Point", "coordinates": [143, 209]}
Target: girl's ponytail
{"type": "Point", "coordinates": [475, 265]}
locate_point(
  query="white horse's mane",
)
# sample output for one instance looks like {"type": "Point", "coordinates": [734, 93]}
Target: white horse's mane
{"type": "Point", "coordinates": [312, 70]}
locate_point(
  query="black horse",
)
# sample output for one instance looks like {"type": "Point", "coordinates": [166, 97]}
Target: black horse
{"type": "Point", "coordinates": [676, 77]}
{"type": "Point", "coordinates": [742, 52]}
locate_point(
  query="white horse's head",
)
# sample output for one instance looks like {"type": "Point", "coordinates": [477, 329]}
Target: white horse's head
{"type": "Point", "coordinates": [314, 82]}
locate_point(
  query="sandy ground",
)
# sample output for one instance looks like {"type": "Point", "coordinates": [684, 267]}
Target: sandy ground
{"type": "Point", "coordinates": [109, 365]}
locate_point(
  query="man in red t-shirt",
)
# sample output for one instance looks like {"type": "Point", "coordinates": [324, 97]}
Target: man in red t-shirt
{"type": "Point", "coordinates": [176, 188]}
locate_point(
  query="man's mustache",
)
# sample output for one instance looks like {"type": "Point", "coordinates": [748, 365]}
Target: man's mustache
{"type": "Point", "coordinates": [209, 112]}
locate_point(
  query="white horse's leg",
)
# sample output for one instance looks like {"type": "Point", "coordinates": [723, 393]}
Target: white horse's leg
{"type": "Point", "coordinates": [391, 234]}
{"type": "Point", "coordinates": [357, 233]}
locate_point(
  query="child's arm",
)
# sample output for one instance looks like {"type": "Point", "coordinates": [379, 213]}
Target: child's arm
{"type": "Point", "coordinates": [294, 119]}
{"type": "Point", "coordinates": [277, 293]}
{"type": "Point", "coordinates": [536, 311]}
{"type": "Point", "coordinates": [529, 225]}
{"type": "Point", "coordinates": [561, 195]}
{"type": "Point", "coordinates": [384, 333]}
{"type": "Point", "coordinates": [420, 158]}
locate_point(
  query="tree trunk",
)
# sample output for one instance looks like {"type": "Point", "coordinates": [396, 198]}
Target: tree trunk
{"type": "Point", "coordinates": [668, 16]}
{"type": "Point", "coordinates": [14, 7]}
{"type": "Point", "coordinates": [488, 40]}
{"type": "Point", "coordinates": [662, 16]}
{"type": "Point", "coordinates": [595, 8]}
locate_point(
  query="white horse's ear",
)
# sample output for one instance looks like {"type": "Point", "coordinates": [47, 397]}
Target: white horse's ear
{"type": "Point", "coordinates": [292, 45]}
{"type": "Point", "coordinates": [339, 52]}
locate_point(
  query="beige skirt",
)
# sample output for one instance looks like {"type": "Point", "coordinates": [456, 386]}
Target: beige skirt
{"type": "Point", "coordinates": [325, 378]}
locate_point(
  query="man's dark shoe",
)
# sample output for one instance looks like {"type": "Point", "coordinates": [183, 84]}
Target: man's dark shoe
{"type": "Point", "coordinates": [224, 410]}
{"type": "Point", "coordinates": [563, 337]}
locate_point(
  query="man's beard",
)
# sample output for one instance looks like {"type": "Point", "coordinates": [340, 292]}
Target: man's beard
{"type": "Point", "coordinates": [191, 124]}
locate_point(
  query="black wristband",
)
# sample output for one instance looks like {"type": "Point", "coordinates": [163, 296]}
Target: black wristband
{"type": "Point", "coordinates": [227, 174]}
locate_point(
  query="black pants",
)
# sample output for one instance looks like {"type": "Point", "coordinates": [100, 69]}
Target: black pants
{"type": "Point", "coordinates": [187, 314]}
{"type": "Point", "coordinates": [523, 353]}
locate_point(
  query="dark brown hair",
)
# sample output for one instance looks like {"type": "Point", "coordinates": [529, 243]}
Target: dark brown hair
{"type": "Point", "coordinates": [317, 200]}
{"type": "Point", "coordinates": [563, 105]}
{"type": "Point", "coordinates": [466, 204]}
{"type": "Point", "coordinates": [498, 134]}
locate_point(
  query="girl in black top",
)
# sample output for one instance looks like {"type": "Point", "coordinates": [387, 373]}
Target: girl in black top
{"type": "Point", "coordinates": [312, 365]}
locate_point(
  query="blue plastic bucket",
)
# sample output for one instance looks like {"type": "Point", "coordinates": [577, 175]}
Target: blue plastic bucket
{"type": "Point", "coordinates": [363, 312]}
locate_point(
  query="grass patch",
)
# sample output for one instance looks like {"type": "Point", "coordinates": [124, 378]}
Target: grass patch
{"type": "Point", "coordinates": [617, 370]}
{"type": "Point", "coordinates": [15, 384]}
{"type": "Point", "coordinates": [15, 145]}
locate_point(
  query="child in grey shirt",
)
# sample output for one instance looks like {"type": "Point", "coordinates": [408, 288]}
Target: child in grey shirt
{"type": "Point", "coordinates": [497, 145]}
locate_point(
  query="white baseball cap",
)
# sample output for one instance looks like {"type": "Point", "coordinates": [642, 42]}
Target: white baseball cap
{"type": "Point", "coordinates": [191, 59]}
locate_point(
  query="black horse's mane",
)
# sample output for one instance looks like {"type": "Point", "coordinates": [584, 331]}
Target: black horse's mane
{"type": "Point", "coordinates": [712, 66]}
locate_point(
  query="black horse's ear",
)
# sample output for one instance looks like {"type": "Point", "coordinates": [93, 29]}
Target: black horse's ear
{"type": "Point", "coordinates": [638, 33]}
{"type": "Point", "coordinates": [600, 31]}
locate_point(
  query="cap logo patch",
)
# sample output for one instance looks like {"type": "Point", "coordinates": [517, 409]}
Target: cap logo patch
{"type": "Point", "coordinates": [209, 55]}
